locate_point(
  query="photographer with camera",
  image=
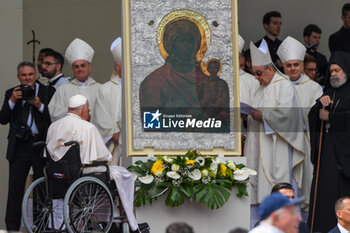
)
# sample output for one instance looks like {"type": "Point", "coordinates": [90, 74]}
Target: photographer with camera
{"type": "Point", "coordinates": [25, 108]}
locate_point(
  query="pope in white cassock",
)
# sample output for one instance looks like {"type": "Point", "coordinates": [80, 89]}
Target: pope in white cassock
{"type": "Point", "coordinates": [276, 140]}
{"type": "Point", "coordinates": [75, 127]}
{"type": "Point", "coordinates": [79, 54]}
{"type": "Point", "coordinates": [107, 115]}
{"type": "Point", "coordinates": [292, 53]}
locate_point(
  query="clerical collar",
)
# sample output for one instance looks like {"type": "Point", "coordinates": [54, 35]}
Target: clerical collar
{"type": "Point", "coordinates": [296, 82]}
{"type": "Point", "coordinates": [83, 83]}
{"type": "Point", "coordinates": [56, 77]}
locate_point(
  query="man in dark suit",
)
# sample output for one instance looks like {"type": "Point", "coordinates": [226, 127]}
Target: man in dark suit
{"type": "Point", "coordinates": [25, 108]}
{"type": "Point", "coordinates": [342, 211]}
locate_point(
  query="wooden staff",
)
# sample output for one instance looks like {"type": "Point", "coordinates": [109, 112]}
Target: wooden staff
{"type": "Point", "coordinates": [317, 174]}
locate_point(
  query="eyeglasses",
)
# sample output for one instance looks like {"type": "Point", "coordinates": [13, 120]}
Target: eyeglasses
{"type": "Point", "coordinates": [48, 63]}
{"type": "Point", "coordinates": [311, 69]}
{"type": "Point", "coordinates": [258, 73]}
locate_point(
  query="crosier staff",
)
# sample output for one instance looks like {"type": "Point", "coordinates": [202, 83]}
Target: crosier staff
{"type": "Point", "coordinates": [33, 41]}
{"type": "Point", "coordinates": [317, 175]}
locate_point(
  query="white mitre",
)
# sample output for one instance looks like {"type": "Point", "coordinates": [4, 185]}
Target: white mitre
{"type": "Point", "coordinates": [260, 56]}
{"type": "Point", "coordinates": [79, 50]}
{"type": "Point", "coordinates": [77, 101]}
{"type": "Point", "coordinates": [291, 49]}
{"type": "Point", "coordinates": [116, 49]}
{"type": "Point", "coordinates": [240, 43]}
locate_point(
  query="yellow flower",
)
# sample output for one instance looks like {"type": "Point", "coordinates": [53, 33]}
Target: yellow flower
{"type": "Point", "coordinates": [157, 167]}
{"type": "Point", "coordinates": [190, 162]}
{"type": "Point", "coordinates": [223, 169]}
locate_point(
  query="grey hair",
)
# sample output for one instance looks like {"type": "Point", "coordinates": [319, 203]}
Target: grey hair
{"type": "Point", "coordinates": [24, 63]}
{"type": "Point", "coordinates": [179, 227]}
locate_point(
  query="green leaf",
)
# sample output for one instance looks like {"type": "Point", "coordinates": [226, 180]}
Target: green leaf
{"type": "Point", "coordinates": [137, 170]}
{"type": "Point", "coordinates": [140, 197]}
{"type": "Point", "coordinates": [242, 189]}
{"type": "Point", "coordinates": [213, 195]}
{"type": "Point", "coordinates": [174, 199]}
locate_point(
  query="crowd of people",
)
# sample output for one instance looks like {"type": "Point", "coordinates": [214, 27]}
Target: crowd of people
{"type": "Point", "coordinates": [297, 130]}
{"type": "Point", "coordinates": [295, 136]}
{"type": "Point", "coordinates": [58, 109]}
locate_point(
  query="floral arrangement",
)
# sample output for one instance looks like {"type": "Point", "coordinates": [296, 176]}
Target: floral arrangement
{"type": "Point", "coordinates": [204, 179]}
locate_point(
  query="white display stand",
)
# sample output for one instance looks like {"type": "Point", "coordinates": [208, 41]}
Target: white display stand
{"type": "Point", "coordinates": [235, 213]}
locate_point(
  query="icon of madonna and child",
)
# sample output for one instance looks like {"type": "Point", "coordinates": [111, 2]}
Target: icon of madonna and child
{"type": "Point", "coordinates": [184, 87]}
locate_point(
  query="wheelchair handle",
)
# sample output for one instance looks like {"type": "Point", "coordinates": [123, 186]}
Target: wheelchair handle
{"type": "Point", "coordinates": [69, 143]}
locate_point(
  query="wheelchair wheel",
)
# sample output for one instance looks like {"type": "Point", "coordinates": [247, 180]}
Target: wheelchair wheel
{"type": "Point", "coordinates": [88, 206]}
{"type": "Point", "coordinates": [126, 227]}
{"type": "Point", "coordinates": [36, 207]}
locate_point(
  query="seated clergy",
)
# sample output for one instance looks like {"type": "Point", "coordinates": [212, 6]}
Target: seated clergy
{"type": "Point", "coordinates": [75, 127]}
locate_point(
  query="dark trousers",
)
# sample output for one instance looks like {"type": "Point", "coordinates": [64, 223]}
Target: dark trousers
{"type": "Point", "coordinates": [25, 157]}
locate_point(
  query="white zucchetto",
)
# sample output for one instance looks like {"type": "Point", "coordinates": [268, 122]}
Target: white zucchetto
{"type": "Point", "coordinates": [77, 101]}
{"type": "Point", "coordinates": [79, 50]}
{"type": "Point", "coordinates": [291, 49]}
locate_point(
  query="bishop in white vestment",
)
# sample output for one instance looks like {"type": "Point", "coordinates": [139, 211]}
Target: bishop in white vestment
{"type": "Point", "coordinates": [79, 54]}
{"type": "Point", "coordinates": [275, 145]}
{"type": "Point", "coordinates": [292, 53]}
{"type": "Point", "coordinates": [107, 115]}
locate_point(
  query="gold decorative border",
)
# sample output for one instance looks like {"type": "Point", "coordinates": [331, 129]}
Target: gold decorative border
{"type": "Point", "coordinates": [128, 91]}
{"type": "Point", "coordinates": [193, 16]}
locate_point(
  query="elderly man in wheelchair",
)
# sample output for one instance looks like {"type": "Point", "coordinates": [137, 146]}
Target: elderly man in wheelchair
{"type": "Point", "coordinates": [86, 204]}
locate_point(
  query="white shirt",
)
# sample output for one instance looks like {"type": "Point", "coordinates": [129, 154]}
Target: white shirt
{"type": "Point", "coordinates": [342, 229]}
{"type": "Point", "coordinates": [33, 126]}
{"type": "Point", "coordinates": [266, 228]}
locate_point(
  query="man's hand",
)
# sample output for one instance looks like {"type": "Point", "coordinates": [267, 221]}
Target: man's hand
{"type": "Point", "coordinates": [324, 114]}
{"type": "Point", "coordinates": [115, 138]}
{"type": "Point", "coordinates": [257, 115]}
{"type": "Point", "coordinates": [36, 102]}
{"type": "Point", "coordinates": [326, 100]}
{"type": "Point", "coordinates": [16, 94]}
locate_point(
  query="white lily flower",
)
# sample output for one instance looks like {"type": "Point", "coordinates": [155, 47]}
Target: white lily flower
{"type": "Point", "coordinates": [168, 159]}
{"type": "Point", "coordinates": [175, 167]}
{"type": "Point", "coordinates": [214, 166]}
{"type": "Point", "coordinates": [205, 172]}
{"type": "Point", "coordinates": [173, 175]}
{"type": "Point", "coordinates": [251, 171]}
{"type": "Point", "coordinates": [146, 179]}
{"type": "Point", "coordinates": [244, 173]}
{"type": "Point", "coordinates": [200, 160]}
{"type": "Point", "coordinates": [195, 174]}
{"type": "Point", "coordinates": [231, 165]}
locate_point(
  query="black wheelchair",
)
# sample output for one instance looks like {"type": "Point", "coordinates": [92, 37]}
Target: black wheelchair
{"type": "Point", "coordinates": [85, 201]}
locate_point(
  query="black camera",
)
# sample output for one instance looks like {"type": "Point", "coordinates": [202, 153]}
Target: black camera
{"type": "Point", "coordinates": [28, 92]}
{"type": "Point", "coordinates": [23, 132]}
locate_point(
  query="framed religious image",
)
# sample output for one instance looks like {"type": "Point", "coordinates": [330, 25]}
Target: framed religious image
{"type": "Point", "coordinates": [181, 77]}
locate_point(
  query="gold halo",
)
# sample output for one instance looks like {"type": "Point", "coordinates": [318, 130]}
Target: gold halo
{"type": "Point", "coordinates": [193, 16]}
{"type": "Point", "coordinates": [205, 66]}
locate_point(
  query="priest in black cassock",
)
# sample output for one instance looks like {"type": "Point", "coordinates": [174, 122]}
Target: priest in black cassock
{"type": "Point", "coordinates": [333, 108]}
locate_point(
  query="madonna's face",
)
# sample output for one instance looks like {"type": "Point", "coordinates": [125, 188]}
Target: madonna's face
{"type": "Point", "coordinates": [184, 48]}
